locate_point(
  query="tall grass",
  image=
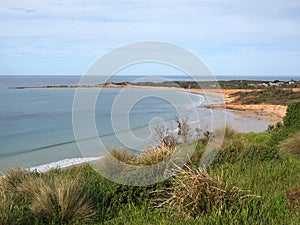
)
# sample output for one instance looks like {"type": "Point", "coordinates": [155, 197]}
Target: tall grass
{"type": "Point", "coordinates": [291, 145]}
{"type": "Point", "coordinates": [59, 199]}
{"type": "Point", "coordinates": [195, 193]}
{"type": "Point", "coordinates": [11, 212]}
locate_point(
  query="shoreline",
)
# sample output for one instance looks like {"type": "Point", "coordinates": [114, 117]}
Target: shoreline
{"type": "Point", "coordinates": [260, 112]}
{"type": "Point", "coordinates": [273, 113]}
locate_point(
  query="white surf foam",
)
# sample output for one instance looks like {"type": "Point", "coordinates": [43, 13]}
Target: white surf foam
{"type": "Point", "coordinates": [61, 164]}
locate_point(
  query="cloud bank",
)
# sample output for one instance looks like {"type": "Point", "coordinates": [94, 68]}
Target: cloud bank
{"type": "Point", "coordinates": [231, 36]}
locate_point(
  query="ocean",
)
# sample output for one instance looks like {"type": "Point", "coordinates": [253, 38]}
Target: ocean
{"type": "Point", "coordinates": [36, 124]}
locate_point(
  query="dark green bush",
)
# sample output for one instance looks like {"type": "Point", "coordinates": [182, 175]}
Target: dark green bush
{"type": "Point", "coordinates": [292, 118]}
{"type": "Point", "coordinates": [291, 124]}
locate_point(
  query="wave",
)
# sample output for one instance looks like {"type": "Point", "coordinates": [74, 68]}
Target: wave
{"type": "Point", "coordinates": [61, 164]}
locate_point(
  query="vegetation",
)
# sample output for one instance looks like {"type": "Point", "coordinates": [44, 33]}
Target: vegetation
{"type": "Point", "coordinates": [224, 84]}
{"type": "Point", "coordinates": [271, 95]}
{"type": "Point", "coordinates": [255, 179]}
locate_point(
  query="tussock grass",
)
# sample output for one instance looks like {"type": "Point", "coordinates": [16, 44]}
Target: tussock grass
{"type": "Point", "coordinates": [13, 178]}
{"type": "Point", "coordinates": [153, 155]}
{"type": "Point", "coordinates": [195, 193]}
{"type": "Point", "coordinates": [58, 199]}
{"type": "Point", "coordinates": [291, 145]}
{"type": "Point", "coordinates": [122, 155]}
{"type": "Point", "coordinates": [49, 199]}
{"type": "Point", "coordinates": [148, 157]}
{"type": "Point", "coordinates": [10, 212]}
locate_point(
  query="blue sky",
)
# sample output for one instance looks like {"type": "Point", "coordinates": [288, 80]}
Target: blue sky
{"type": "Point", "coordinates": [64, 37]}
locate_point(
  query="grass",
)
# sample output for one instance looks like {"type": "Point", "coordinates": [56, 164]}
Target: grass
{"type": "Point", "coordinates": [45, 198]}
{"type": "Point", "coordinates": [195, 193]}
{"type": "Point", "coordinates": [291, 144]}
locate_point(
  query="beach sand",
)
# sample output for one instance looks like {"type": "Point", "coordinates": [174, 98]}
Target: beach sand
{"type": "Point", "coordinates": [268, 112]}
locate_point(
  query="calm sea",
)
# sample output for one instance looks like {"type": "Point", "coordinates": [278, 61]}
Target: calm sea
{"type": "Point", "coordinates": [36, 124]}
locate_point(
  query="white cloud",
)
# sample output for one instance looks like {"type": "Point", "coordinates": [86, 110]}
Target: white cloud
{"type": "Point", "coordinates": [88, 27]}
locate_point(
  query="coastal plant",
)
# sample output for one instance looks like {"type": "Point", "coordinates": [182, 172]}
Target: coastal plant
{"type": "Point", "coordinates": [184, 129]}
{"type": "Point", "coordinates": [291, 144]}
{"type": "Point", "coordinates": [195, 193]}
{"type": "Point", "coordinates": [13, 178]}
{"type": "Point", "coordinates": [60, 199]}
{"type": "Point", "coordinates": [291, 124]}
{"type": "Point", "coordinates": [166, 137]}
{"type": "Point", "coordinates": [122, 155]}
{"type": "Point", "coordinates": [153, 155]}
{"type": "Point", "coordinates": [11, 212]}
{"type": "Point", "coordinates": [14, 204]}
{"type": "Point", "coordinates": [292, 117]}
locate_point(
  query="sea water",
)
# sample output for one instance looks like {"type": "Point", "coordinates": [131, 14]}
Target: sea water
{"type": "Point", "coordinates": [36, 123]}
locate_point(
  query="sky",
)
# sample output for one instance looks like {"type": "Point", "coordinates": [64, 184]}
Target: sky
{"type": "Point", "coordinates": [233, 37]}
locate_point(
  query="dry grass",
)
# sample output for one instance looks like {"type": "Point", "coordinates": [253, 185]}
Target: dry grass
{"type": "Point", "coordinates": [122, 155]}
{"type": "Point", "coordinates": [291, 145]}
{"type": "Point", "coordinates": [153, 155]}
{"type": "Point", "coordinates": [59, 199]}
{"type": "Point", "coordinates": [8, 210]}
{"type": "Point", "coordinates": [148, 157]}
{"type": "Point", "coordinates": [229, 135]}
{"type": "Point", "coordinates": [195, 193]}
{"type": "Point", "coordinates": [13, 178]}
{"type": "Point", "coordinates": [294, 196]}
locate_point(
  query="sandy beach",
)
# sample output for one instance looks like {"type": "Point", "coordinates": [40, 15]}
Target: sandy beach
{"type": "Point", "coordinates": [269, 112]}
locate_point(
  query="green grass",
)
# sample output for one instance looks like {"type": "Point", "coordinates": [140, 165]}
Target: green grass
{"type": "Point", "coordinates": [269, 187]}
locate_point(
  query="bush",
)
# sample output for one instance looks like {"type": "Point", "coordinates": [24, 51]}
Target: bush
{"type": "Point", "coordinates": [292, 118]}
{"type": "Point", "coordinates": [291, 124]}
{"type": "Point", "coordinates": [249, 147]}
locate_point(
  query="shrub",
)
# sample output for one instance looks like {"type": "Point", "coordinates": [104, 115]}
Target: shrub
{"type": "Point", "coordinates": [291, 124]}
{"type": "Point", "coordinates": [166, 137]}
{"type": "Point", "coordinates": [184, 129]}
{"type": "Point", "coordinates": [245, 147]}
{"type": "Point", "coordinates": [292, 118]}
